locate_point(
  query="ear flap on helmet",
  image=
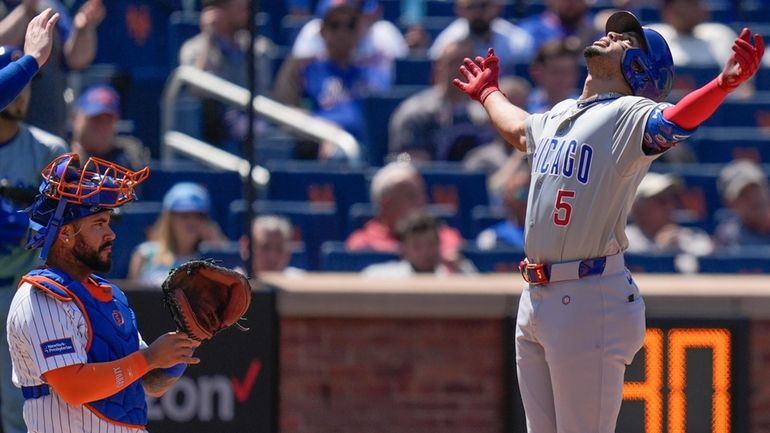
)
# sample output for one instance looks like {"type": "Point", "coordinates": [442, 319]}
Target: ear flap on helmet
{"type": "Point", "coordinates": [650, 73]}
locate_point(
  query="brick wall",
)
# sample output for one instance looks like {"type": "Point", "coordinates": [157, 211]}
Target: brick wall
{"type": "Point", "coordinates": [384, 375]}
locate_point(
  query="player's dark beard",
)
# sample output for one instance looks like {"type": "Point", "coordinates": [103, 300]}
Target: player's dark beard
{"type": "Point", "coordinates": [591, 51]}
{"type": "Point", "coordinates": [479, 27]}
{"type": "Point", "coordinates": [90, 257]}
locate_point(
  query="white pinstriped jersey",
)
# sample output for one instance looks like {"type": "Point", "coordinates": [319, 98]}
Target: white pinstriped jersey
{"type": "Point", "coordinates": [45, 334]}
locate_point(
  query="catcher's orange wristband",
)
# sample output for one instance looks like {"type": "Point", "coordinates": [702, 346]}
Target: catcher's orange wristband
{"type": "Point", "coordinates": [103, 378]}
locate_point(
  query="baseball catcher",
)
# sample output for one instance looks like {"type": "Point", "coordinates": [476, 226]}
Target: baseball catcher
{"type": "Point", "coordinates": [205, 298]}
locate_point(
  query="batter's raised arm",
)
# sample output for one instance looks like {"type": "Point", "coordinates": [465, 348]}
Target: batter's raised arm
{"type": "Point", "coordinates": [482, 77]}
{"type": "Point", "coordinates": [700, 104]}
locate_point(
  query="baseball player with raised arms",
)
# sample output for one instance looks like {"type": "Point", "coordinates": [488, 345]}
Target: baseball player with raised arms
{"type": "Point", "coordinates": [581, 318]}
{"type": "Point", "coordinates": [77, 353]}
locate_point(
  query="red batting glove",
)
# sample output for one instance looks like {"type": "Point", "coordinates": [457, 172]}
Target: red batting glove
{"type": "Point", "coordinates": [482, 76]}
{"type": "Point", "coordinates": [743, 63]}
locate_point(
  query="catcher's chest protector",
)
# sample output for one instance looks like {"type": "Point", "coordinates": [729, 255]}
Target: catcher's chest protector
{"type": "Point", "coordinates": [113, 335]}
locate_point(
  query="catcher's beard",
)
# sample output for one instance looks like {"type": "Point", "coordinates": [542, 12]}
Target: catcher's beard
{"type": "Point", "coordinates": [90, 257]}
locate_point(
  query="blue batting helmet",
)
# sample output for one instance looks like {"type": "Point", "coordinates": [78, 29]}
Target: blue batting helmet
{"type": "Point", "coordinates": [649, 70]}
{"type": "Point", "coordinates": [69, 192]}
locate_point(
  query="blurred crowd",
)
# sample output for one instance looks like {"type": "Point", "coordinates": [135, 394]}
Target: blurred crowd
{"type": "Point", "coordinates": [382, 71]}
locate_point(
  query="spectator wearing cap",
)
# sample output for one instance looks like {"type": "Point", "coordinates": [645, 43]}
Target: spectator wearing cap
{"type": "Point", "coordinates": [653, 227]}
{"type": "Point", "coordinates": [480, 21]}
{"type": "Point", "coordinates": [177, 234]}
{"type": "Point", "coordinates": [379, 45]}
{"type": "Point", "coordinates": [74, 48]}
{"type": "Point", "coordinates": [744, 189]}
{"type": "Point", "coordinates": [24, 151]}
{"type": "Point", "coordinates": [221, 48]}
{"type": "Point", "coordinates": [95, 130]}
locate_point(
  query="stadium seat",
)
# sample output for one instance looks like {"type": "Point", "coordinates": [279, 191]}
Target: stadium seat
{"type": "Point", "coordinates": [229, 255]}
{"type": "Point", "coordinates": [439, 8]}
{"type": "Point", "coordinates": [414, 71]}
{"type": "Point", "coordinates": [182, 25]}
{"type": "Point", "coordinates": [131, 224]}
{"type": "Point", "coordinates": [434, 24]}
{"type": "Point", "coordinates": [652, 263]}
{"type": "Point", "coordinates": [504, 260]}
{"type": "Point", "coordinates": [318, 183]}
{"type": "Point", "coordinates": [753, 113]}
{"type": "Point", "coordinates": [449, 184]}
{"type": "Point", "coordinates": [391, 10]}
{"type": "Point", "coordinates": [378, 109]}
{"type": "Point", "coordinates": [313, 223]}
{"type": "Point", "coordinates": [484, 217]}
{"type": "Point", "coordinates": [223, 186]}
{"type": "Point", "coordinates": [723, 144]}
{"type": "Point", "coordinates": [335, 258]}
{"type": "Point", "coordinates": [290, 28]}
{"type": "Point", "coordinates": [750, 263]}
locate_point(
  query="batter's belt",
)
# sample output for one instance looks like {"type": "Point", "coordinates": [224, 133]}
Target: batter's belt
{"type": "Point", "coordinates": [543, 273]}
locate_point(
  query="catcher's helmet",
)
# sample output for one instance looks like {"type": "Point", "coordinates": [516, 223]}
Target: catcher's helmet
{"type": "Point", "coordinates": [69, 193]}
{"type": "Point", "coordinates": [649, 70]}
{"type": "Point", "coordinates": [9, 54]}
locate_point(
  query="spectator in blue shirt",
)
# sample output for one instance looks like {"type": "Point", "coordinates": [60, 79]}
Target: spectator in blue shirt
{"type": "Point", "coordinates": [330, 86]}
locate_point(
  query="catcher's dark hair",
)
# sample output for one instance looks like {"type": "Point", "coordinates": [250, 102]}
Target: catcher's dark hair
{"type": "Point", "coordinates": [416, 223]}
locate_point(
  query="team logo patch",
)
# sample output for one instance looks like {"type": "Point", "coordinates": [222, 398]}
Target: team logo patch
{"type": "Point", "coordinates": [118, 318]}
{"type": "Point", "coordinates": [57, 347]}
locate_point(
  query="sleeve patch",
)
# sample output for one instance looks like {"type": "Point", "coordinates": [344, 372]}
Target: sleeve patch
{"type": "Point", "coordinates": [57, 347]}
{"type": "Point", "coordinates": [661, 134]}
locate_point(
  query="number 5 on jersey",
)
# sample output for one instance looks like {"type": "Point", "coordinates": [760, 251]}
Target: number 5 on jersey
{"type": "Point", "coordinates": [563, 211]}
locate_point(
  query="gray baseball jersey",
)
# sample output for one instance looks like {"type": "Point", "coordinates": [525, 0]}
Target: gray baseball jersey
{"type": "Point", "coordinates": [575, 336]}
{"type": "Point", "coordinates": [586, 164]}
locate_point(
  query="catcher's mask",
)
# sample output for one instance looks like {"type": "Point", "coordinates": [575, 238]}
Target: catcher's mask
{"type": "Point", "coordinates": [649, 70]}
{"type": "Point", "coordinates": [69, 193]}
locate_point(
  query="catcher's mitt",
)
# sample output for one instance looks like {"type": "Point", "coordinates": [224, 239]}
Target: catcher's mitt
{"type": "Point", "coordinates": [205, 298]}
